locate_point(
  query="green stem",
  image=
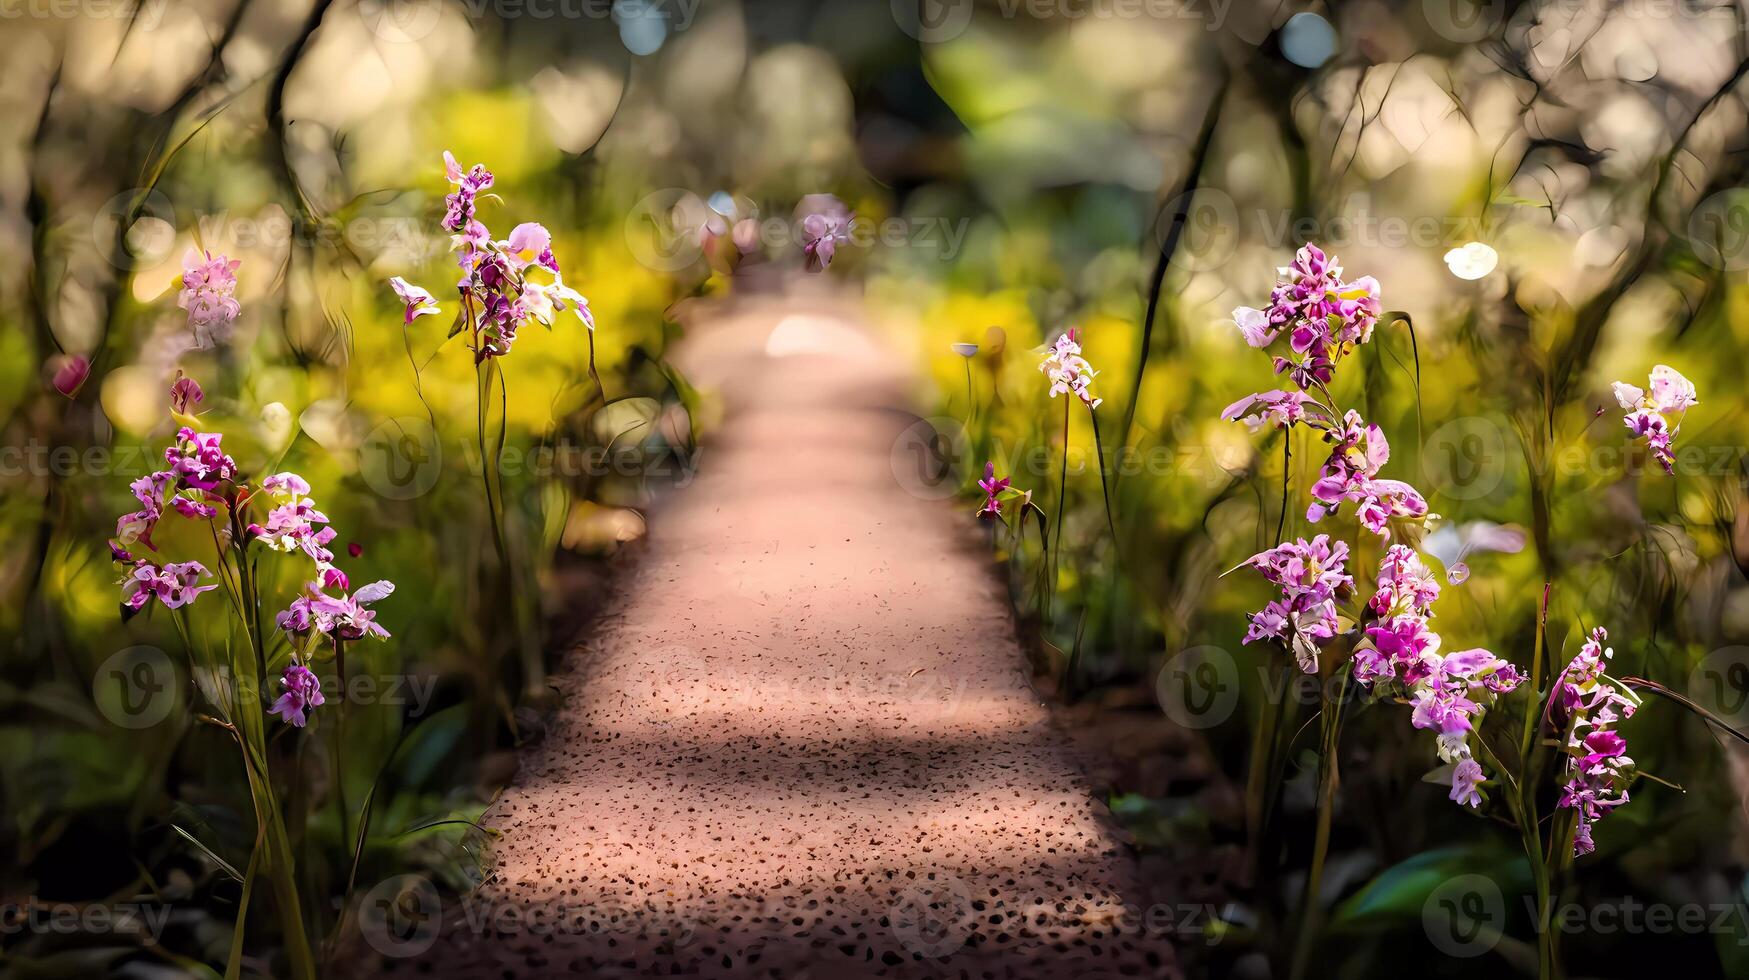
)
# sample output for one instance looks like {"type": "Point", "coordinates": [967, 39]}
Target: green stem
{"type": "Point", "coordinates": [971, 399]}
{"type": "Point", "coordinates": [594, 374]}
{"type": "Point", "coordinates": [1329, 777]}
{"type": "Point", "coordinates": [1062, 498]}
{"type": "Point", "coordinates": [234, 962]}
{"type": "Point", "coordinates": [1524, 802]}
{"type": "Point", "coordinates": [1104, 488]}
{"type": "Point", "coordinates": [334, 747]}
{"type": "Point", "coordinates": [281, 867]}
{"type": "Point", "coordinates": [511, 597]}
{"type": "Point", "coordinates": [251, 727]}
{"type": "Point", "coordinates": [1262, 786]}
{"type": "Point", "coordinates": [489, 461]}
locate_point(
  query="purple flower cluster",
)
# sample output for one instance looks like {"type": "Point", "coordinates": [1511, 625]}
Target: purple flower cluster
{"type": "Point", "coordinates": [1312, 577]}
{"type": "Point", "coordinates": [303, 691]}
{"type": "Point", "coordinates": [823, 224]}
{"type": "Point", "coordinates": [294, 524]}
{"type": "Point", "coordinates": [1323, 316]}
{"type": "Point", "coordinates": [992, 488]}
{"type": "Point", "coordinates": [504, 284]}
{"type": "Point", "coordinates": [821, 234]}
{"type": "Point", "coordinates": [198, 469]}
{"type": "Point", "coordinates": [1069, 372]}
{"type": "Point", "coordinates": [459, 206]}
{"type": "Point", "coordinates": [175, 584]}
{"type": "Point", "coordinates": [343, 617]}
{"type": "Point", "coordinates": [1598, 768]}
{"type": "Point", "coordinates": [1656, 415]}
{"type": "Point", "coordinates": [200, 476]}
{"type": "Point", "coordinates": [209, 285]}
{"type": "Point", "coordinates": [1359, 450]}
{"type": "Point", "coordinates": [1450, 692]}
{"type": "Point", "coordinates": [1279, 408]}
{"type": "Point", "coordinates": [196, 460]}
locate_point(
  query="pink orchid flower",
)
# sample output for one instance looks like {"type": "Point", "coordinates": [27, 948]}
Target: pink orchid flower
{"type": "Point", "coordinates": [417, 300]}
{"type": "Point", "coordinates": [303, 691]}
{"type": "Point", "coordinates": [184, 393]}
{"type": "Point", "coordinates": [530, 244]}
{"type": "Point", "coordinates": [992, 488]}
{"type": "Point", "coordinates": [1656, 415]}
{"type": "Point", "coordinates": [209, 284]}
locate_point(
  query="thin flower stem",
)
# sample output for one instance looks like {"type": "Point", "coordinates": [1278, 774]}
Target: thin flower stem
{"type": "Point", "coordinates": [1287, 457]}
{"type": "Point", "coordinates": [1062, 498]}
{"type": "Point", "coordinates": [1628, 684]}
{"type": "Point", "coordinates": [1536, 680]}
{"type": "Point", "coordinates": [1329, 778]}
{"type": "Point", "coordinates": [594, 374]}
{"type": "Point", "coordinates": [490, 460]}
{"type": "Point", "coordinates": [1544, 857]}
{"type": "Point", "coordinates": [336, 743]}
{"type": "Point", "coordinates": [1104, 488]}
{"type": "Point", "coordinates": [234, 961]}
{"type": "Point", "coordinates": [971, 399]}
{"type": "Point", "coordinates": [281, 867]}
{"type": "Point", "coordinates": [1494, 760]}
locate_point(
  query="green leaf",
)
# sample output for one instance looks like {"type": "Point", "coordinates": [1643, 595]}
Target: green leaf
{"type": "Point", "coordinates": [209, 852]}
{"type": "Point", "coordinates": [1400, 893]}
{"type": "Point", "coordinates": [431, 743]}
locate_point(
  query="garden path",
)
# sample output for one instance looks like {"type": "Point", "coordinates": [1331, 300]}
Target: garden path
{"type": "Point", "coordinates": [800, 743]}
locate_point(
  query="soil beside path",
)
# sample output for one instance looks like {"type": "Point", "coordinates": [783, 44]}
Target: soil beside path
{"type": "Point", "coordinates": [800, 743]}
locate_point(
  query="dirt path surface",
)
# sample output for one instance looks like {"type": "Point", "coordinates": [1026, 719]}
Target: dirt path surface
{"type": "Point", "coordinates": [801, 744]}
